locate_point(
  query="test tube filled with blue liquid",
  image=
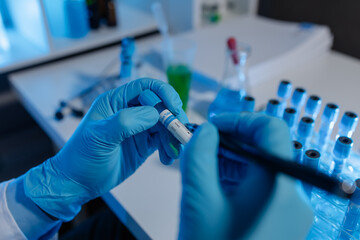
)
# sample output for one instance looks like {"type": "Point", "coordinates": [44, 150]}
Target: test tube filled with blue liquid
{"type": "Point", "coordinates": [313, 106]}
{"type": "Point", "coordinates": [328, 120]}
{"type": "Point", "coordinates": [298, 99]}
{"type": "Point", "coordinates": [284, 92]}
{"type": "Point", "coordinates": [305, 131]}
{"type": "Point", "coordinates": [311, 159]}
{"type": "Point", "coordinates": [298, 151]}
{"type": "Point", "coordinates": [273, 108]}
{"type": "Point", "coordinates": [348, 124]}
{"type": "Point", "coordinates": [290, 116]}
{"type": "Point", "coordinates": [341, 153]}
{"type": "Point", "coordinates": [247, 104]}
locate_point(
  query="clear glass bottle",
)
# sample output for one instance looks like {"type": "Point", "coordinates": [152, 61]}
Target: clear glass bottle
{"type": "Point", "coordinates": [234, 86]}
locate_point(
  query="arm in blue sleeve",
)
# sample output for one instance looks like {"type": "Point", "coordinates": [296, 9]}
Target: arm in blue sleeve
{"type": "Point", "coordinates": [32, 221]}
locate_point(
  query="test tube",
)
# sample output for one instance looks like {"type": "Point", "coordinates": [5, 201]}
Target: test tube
{"type": "Point", "coordinates": [298, 99]}
{"type": "Point", "coordinates": [298, 151]}
{"type": "Point", "coordinates": [247, 104]}
{"type": "Point", "coordinates": [311, 159]}
{"type": "Point", "coordinates": [352, 214]}
{"type": "Point", "coordinates": [126, 57]}
{"type": "Point", "coordinates": [273, 108]}
{"type": "Point", "coordinates": [171, 123]}
{"type": "Point", "coordinates": [348, 124]}
{"type": "Point", "coordinates": [328, 120]}
{"type": "Point", "coordinates": [305, 131]}
{"type": "Point", "coordinates": [313, 106]}
{"type": "Point", "coordinates": [283, 93]}
{"type": "Point", "coordinates": [341, 153]}
{"type": "Point", "coordinates": [290, 119]}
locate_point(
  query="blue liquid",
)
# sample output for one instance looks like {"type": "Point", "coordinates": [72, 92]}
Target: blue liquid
{"type": "Point", "coordinates": [226, 101]}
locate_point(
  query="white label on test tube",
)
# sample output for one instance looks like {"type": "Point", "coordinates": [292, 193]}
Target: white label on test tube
{"type": "Point", "coordinates": [177, 129]}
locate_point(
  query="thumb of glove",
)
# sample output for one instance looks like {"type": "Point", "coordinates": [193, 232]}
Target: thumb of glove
{"type": "Point", "coordinates": [126, 123]}
{"type": "Point", "coordinates": [204, 211]}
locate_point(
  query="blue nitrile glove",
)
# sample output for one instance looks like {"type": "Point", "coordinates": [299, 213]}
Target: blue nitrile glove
{"type": "Point", "coordinates": [112, 141]}
{"type": "Point", "coordinates": [207, 211]}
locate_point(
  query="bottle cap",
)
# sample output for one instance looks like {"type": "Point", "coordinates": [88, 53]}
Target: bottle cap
{"type": "Point", "coordinates": [290, 116]}
{"type": "Point", "coordinates": [343, 147]}
{"type": "Point", "coordinates": [273, 108]}
{"type": "Point", "coordinates": [127, 46]}
{"type": "Point", "coordinates": [349, 121]}
{"type": "Point", "coordinates": [331, 112]}
{"type": "Point", "coordinates": [306, 127]}
{"type": "Point", "coordinates": [298, 97]}
{"type": "Point", "coordinates": [247, 104]}
{"type": "Point", "coordinates": [284, 90]}
{"type": "Point", "coordinates": [313, 105]}
{"type": "Point", "coordinates": [311, 158]}
{"type": "Point", "coordinates": [149, 98]}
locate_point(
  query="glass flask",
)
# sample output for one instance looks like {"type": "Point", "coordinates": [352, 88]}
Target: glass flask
{"type": "Point", "coordinates": [234, 85]}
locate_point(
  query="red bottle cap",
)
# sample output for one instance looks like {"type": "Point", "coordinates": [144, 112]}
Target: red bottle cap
{"type": "Point", "coordinates": [231, 42]}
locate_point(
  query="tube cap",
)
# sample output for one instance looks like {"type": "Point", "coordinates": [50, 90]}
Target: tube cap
{"type": "Point", "coordinates": [311, 158]}
{"type": "Point", "coordinates": [306, 127]}
{"type": "Point", "coordinates": [331, 112]}
{"type": "Point", "coordinates": [298, 151]}
{"type": "Point", "coordinates": [149, 98]}
{"type": "Point", "coordinates": [284, 89]}
{"type": "Point", "coordinates": [343, 147]}
{"type": "Point", "coordinates": [273, 108]}
{"type": "Point", "coordinates": [313, 105]}
{"type": "Point", "coordinates": [290, 116]}
{"type": "Point", "coordinates": [247, 104]}
{"type": "Point", "coordinates": [298, 97]}
{"type": "Point", "coordinates": [349, 121]}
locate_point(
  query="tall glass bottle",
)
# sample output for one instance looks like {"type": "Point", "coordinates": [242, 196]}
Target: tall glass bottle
{"type": "Point", "coordinates": [234, 85]}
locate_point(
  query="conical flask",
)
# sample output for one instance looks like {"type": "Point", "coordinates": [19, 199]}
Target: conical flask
{"type": "Point", "coordinates": [234, 85]}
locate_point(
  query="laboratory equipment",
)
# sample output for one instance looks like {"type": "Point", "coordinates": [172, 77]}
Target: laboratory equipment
{"type": "Point", "coordinates": [328, 120]}
{"type": "Point", "coordinates": [283, 93]}
{"type": "Point", "coordinates": [298, 99]}
{"type": "Point", "coordinates": [247, 104]}
{"type": "Point", "coordinates": [305, 131]}
{"type": "Point", "coordinates": [311, 159]}
{"type": "Point", "coordinates": [273, 108]}
{"type": "Point", "coordinates": [347, 124]}
{"type": "Point", "coordinates": [352, 214]}
{"type": "Point", "coordinates": [313, 106]}
{"type": "Point", "coordinates": [178, 56]}
{"type": "Point", "coordinates": [76, 18]}
{"type": "Point", "coordinates": [290, 119]}
{"type": "Point", "coordinates": [111, 19]}
{"type": "Point", "coordinates": [298, 151]}
{"type": "Point", "coordinates": [234, 86]}
{"type": "Point", "coordinates": [126, 58]}
{"type": "Point", "coordinates": [171, 123]}
{"type": "Point", "coordinates": [235, 149]}
{"type": "Point", "coordinates": [341, 153]}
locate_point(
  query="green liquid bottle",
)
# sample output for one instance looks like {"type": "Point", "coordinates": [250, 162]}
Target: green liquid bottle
{"type": "Point", "coordinates": [179, 76]}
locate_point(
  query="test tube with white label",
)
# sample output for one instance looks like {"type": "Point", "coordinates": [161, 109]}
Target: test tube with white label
{"type": "Point", "coordinates": [171, 123]}
{"type": "Point", "coordinates": [347, 124]}
{"type": "Point", "coordinates": [284, 92]}
{"type": "Point", "coordinates": [312, 107]}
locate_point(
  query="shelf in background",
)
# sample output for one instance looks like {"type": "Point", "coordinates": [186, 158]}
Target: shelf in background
{"type": "Point", "coordinates": [132, 22]}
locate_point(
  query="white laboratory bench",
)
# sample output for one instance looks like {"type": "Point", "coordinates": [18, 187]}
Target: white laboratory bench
{"type": "Point", "coordinates": [148, 201]}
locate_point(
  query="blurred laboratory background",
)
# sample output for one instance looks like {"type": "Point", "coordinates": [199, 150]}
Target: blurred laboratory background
{"type": "Point", "coordinates": [63, 52]}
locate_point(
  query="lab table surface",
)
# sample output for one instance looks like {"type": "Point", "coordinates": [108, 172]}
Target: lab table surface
{"type": "Point", "coordinates": [148, 202]}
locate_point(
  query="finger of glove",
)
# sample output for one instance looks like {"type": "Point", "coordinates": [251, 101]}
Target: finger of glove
{"type": "Point", "coordinates": [268, 133]}
{"type": "Point", "coordinates": [120, 97]}
{"type": "Point", "coordinates": [202, 198]}
{"type": "Point", "coordinates": [126, 123]}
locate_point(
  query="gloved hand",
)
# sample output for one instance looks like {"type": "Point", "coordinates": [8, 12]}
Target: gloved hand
{"type": "Point", "coordinates": [207, 211]}
{"type": "Point", "coordinates": [112, 141]}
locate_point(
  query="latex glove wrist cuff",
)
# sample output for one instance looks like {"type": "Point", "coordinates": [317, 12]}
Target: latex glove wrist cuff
{"type": "Point", "coordinates": [54, 194]}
